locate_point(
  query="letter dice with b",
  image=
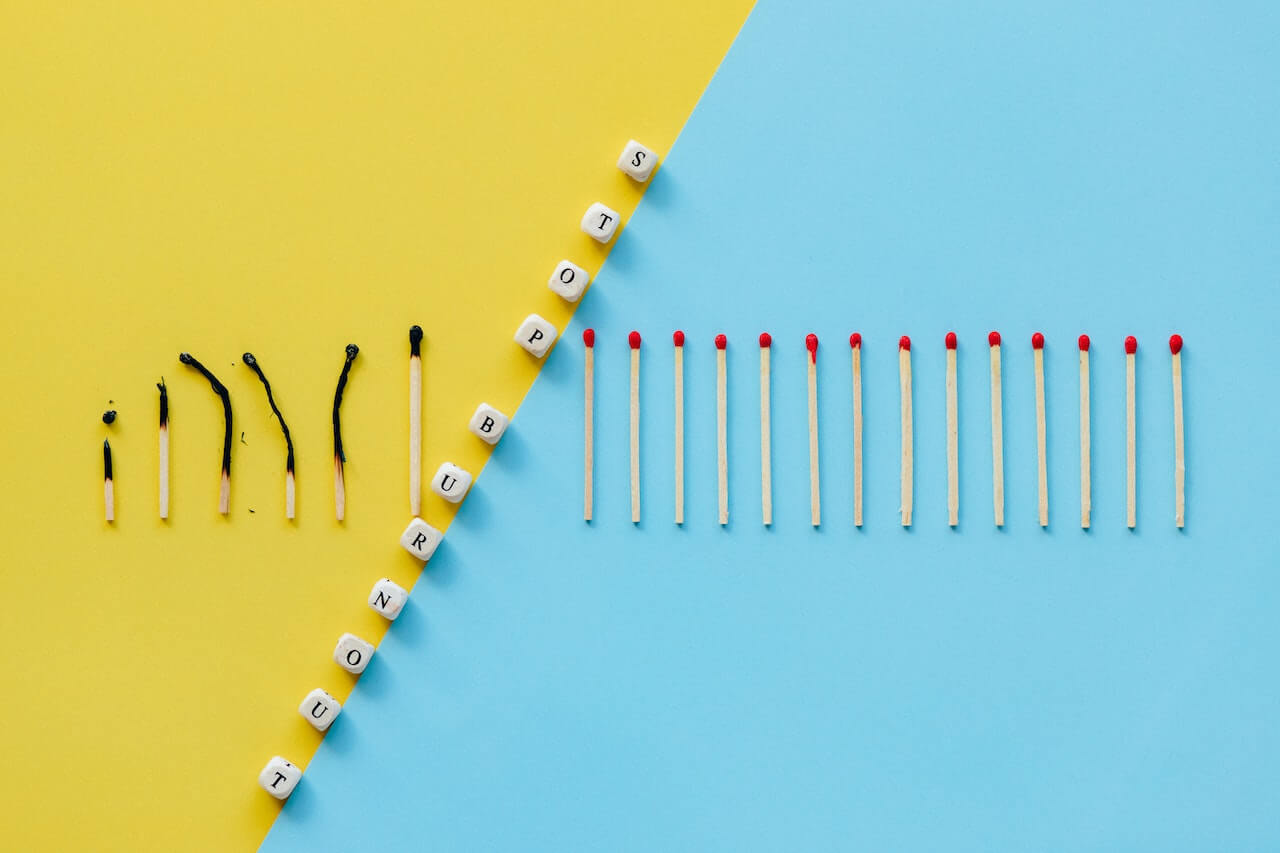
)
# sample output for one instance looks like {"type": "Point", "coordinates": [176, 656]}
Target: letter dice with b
{"type": "Point", "coordinates": [388, 598]}
{"type": "Point", "coordinates": [536, 335]}
{"type": "Point", "coordinates": [637, 161]}
{"type": "Point", "coordinates": [352, 653]}
{"type": "Point", "coordinates": [421, 539]}
{"type": "Point", "coordinates": [488, 423]}
{"type": "Point", "coordinates": [600, 222]}
{"type": "Point", "coordinates": [320, 709]}
{"type": "Point", "coordinates": [279, 777]}
{"type": "Point", "coordinates": [451, 482]}
{"type": "Point", "coordinates": [569, 281]}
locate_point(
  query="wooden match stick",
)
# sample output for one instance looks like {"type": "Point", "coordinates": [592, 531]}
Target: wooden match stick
{"type": "Point", "coordinates": [248, 358]}
{"type": "Point", "coordinates": [634, 340]}
{"type": "Point", "coordinates": [415, 420]}
{"type": "Point", "coordinates": [164, 448]}
{"type": "Point", "coordinates": [677, 338]}
{"type": "Point", "coordinates": [997, 431]}
{"type": "Point", "coordinates": [1131, 422]}
{"type": "Point", "coordinates": [1042, 468]}
{"type": "Point", "coordinates": [108, 485]}
{"type": "Point", "coordinates": [907, 476]}
{"type": "Point", "coordinates": [224, 489]}
{"type": "Point", "coordinates": [1086, 489]}
{"type": "Point", "coordinates": [766, 441]}
{"type": "Point", "coordinates": [339, 456]}
{"type": "Point", "coordinates": [953, 436]}
{"type": "Point", "coordinates": [588, 419]}
{"type": "Point", "coordinates": [855, 346]}
{"type": "Point", "coordinates": [722, 427]}
{"type": "Point", "coordinates": [815, 501]}
{"type": "Point", "coordinates": [1179, 455]}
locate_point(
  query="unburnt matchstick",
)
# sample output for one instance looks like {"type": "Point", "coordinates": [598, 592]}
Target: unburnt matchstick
{"type": "Point", "coordinates": [1086, 488]}
{"type": "Point", "coordinates": [722, 459]}
{"type": "Point", "coordinates": [339, 456]}
{"type": "Point", "coordinates": [163, 493]}
{"type": "Point", "coordinates": [855, 346]}
{"type": "Point", "coordinates": [906, 473]}
{"type": "Point", "coordinates": [1179, 454]}
{"type": "Point", "coordinates": [677, 339]}
{"type": "Point", "coordinates": [588, 419]}
{"type": "Point", "coordinates": [766, 452]}
{"type": "Point", "coordinates": [248, 358]}
{"type": "Point", "coordinates": [815, 500]}
{"type": "Point", "coordinates": [224, 489]}
{"type": "Point", "coordinates": [1131, 439]}
{"type": "Point", "coordinates": [953, 436]}
{"type": "Point", "coordinates": [633, 340]}
{"type": "Point", "coordinates": [415, 420]}
{"type": "Point", "coordinates": [108, 483]}
{"type": "Point", "coordinates": [997, 431]}
{"type": "Point", "coordinates": [1042, 468]}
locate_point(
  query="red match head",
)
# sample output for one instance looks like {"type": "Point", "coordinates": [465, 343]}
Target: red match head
{"type": "Point", "coordinates": [951, 340]}
{"type": "Point", "coordinates": [677, 337]}
{"type": "Point", "coordinates": [634, 340]}
{"type": "Point", "coordinates": [993, 339]}
{"type": "Point", "coordinates": [1083, 341]}
{"type": "Point", "coordinates": [811, 344]}
{"type": "Point", "coordinates": [589, 337]}
{"type": "Point", "coordinates": [766, 340]}
{"type": "Point", "coordinates": [1175, 344]}
{"type": "Point", "coordinates": [721, 342]}
{"type": "Point", "coordinates": [855, 340]}
{"type": "Point", "coordinates": [1037, 341]}
{"type": "Point", "coordinates": [1131, 345]}
{"type": "Point", "coordinates": [904, 342]}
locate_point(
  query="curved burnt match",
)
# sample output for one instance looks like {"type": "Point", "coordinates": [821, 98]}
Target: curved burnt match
{"type": "Point", "coordinates": [339, 456]}
{"type": "Point", "coordinates": [249, 359]}
{"type": "Point", "coordinates": [224, 492]}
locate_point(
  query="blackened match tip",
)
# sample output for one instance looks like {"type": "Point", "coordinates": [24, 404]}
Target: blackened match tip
{"type": "Point", "coordinates": [415, 341]}
{"type": "Point", "coordinates": [248, 359]}
{"type": "Point", "coordinates": [185, 357]}
{"type": "Point", "coordinates": [352, 351]}
{"type": "Point", "coordinates": [109, 416]}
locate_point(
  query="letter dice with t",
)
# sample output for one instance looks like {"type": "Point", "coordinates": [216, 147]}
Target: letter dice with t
{"type": "Point", "coordinates": [536, 335]}
{"type": "Point", "coordinates": [637, 161]}
{"type": "Point", "coordinates": [451, 482]}
{"type": "Point", "coordinates": [569, 281]}
{"type": "Point", "coordinates": [421, 539]}
{"type": "Point", "coordinates": [600, 222]}
{"type": "Point", "coordinates": [388, 598]}
{"type": "Point", "coordinates": [320, 709]}
{"type": "Point", "coordinates": [279, 777]}
{"type": "Point", "coordinates": [352, 653]}
{"type": "Point", "coordinates": [488, 423]}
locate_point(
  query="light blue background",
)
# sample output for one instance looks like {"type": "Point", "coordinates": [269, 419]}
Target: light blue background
{"type": "Point", "coordinates": [889, 167]}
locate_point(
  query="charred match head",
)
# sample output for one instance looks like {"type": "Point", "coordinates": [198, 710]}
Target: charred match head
{"type": "Point", "coordinates": [221, 390]}
{"type": "Point", "coordinates": [338, 454]}
{"type": "Point", "coordinates": [249, 359]}
{"type": "Point", "coordinates": [164, 403]}
{"type": "Point", "coordinates": [106, 459]}
{"type": "Point", "coordinates": [109, 416]}
{"type": "Point", "coordinates": [415, 341]}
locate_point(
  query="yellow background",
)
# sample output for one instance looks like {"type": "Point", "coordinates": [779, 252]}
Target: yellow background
{"type": "Point", "coordinates": [283, 178]}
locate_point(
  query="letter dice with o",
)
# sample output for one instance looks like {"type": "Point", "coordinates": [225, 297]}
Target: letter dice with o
{"type": "Point", "coordinates": [352, 653]}
{"type": "Point", "coordinates": [569, 281]}
{"type": "Point", "coordinates": [488, 423]}
{"type": "Point", "coordinates": [320, 709]}
{"type": "Point", "coordinates": [637, 161]}
{"type": "Point", "coordinates": [600, 222]}
{"type": "Point", "coordinates": [279, 777]}
{"type": "Point", "coordinates": [421, 539]}
{"type": "Point", "coordinates": [536, 335]}
{"type": "Point", "coordinates": [388, 598]}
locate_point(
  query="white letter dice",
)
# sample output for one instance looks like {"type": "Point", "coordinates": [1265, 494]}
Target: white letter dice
{"type": "Point", "coordinates": [488, 423]}
{"type": "Point", "coordinates": [451, 482]}
{"type": "Point", "coordinates": [637, 161]}
{"type": "Point", "coordinates": [420, 539]}
{"type": "Point", "coordinates": [536, 335]}
{"type": "Point", "coordinates": [352, 653]}
{"type": "Point", "coordinates": [599, 222]}
{"type": "Point", "coordinates": [279, 778]}
{"type": "Point", "coordinates": [569, 280]}
{"type": "Point", "coordinates": [320, 709]}
{"type": "Point", "coordinates": [388, 598]}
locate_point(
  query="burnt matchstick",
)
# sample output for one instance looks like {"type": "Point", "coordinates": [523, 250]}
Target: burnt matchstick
{"type": "Point", "coordinates": [766, 451]}
{"type": "Point", "coordinates": [339, 456]}
{"type": "Point", "coordinates": [248, 358]}
{"type": "Point", "coordinates": [1042, 468]}
{"type": "Point", "coordinates": [633, 340]}
{"type": "Point", "coordinates": [906, 473]}
{"type": "Point", "coordinates": [164, 448]}
{"type": "Point", "coordinates": [1179, 451]}
{"type": "Point", "coordinates": [677, 338]}
{"type": "Point", "coordinates": [415, 420]}
{"type": "Point", "coordinates": [588, 419]}
{"type": "Point", "coordinates": [953, 435]}
{"type": "Point", "coordinates": [108, 485]}
{"type": "Point", "coordinates": [224, 489]}
{"type": "Point", "coordinates": [109, 416]}
{"type": "Point", "coordinates": [815, 500]}
{"type": "Point", "coordinates": [855, 346]}
{"type": "Point", "coordinates": [722, 428]}
{"type": "Point", "coordinates": [1131, 442]}
{"type": "Point", "coordinates": [997, 431]}
{"type": "Point", "coordinates": [1086, 487]}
